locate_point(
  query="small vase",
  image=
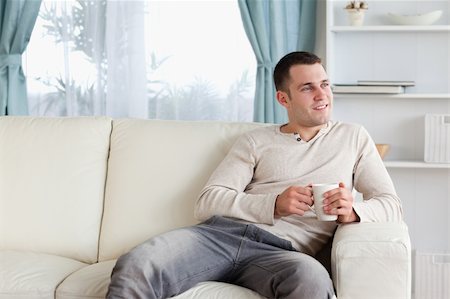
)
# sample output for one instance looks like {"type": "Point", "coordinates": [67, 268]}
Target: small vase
{"type": "Point", "coordinates": [356, 16]}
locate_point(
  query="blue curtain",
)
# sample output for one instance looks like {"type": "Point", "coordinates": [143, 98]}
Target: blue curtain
{"type": "Point", "coordinates": [275, 28]}
{"type": "Point", "coordinates": [17, 19]}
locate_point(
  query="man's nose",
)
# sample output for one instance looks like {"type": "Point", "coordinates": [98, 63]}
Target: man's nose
{"type": "Point", "coordinates": [320, 94]}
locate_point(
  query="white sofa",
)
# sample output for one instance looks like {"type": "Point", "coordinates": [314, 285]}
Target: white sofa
{"type": "Point", "coordinates": [76, 193]}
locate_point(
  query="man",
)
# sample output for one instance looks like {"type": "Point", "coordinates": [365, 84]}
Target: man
{"type": "Point", "coordinates": [258, 230]}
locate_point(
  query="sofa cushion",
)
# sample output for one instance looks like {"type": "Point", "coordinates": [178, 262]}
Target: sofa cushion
{"type": "Point", "coordinates": [52, 180]}
{"type": "Point", "coordinates": [89, 282]}
{"type": "Point", "coordinates": [92, 282]}
{"type": "Point", "coordinates": [218, 290]}
{"type": "Point", "coordinates": [155, 173]}
{"type": "Point", "coordinates": [29, 275]}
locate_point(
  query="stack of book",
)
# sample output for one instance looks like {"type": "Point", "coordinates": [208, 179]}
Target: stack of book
{"type": "Point", "coordinates": [371, 86]}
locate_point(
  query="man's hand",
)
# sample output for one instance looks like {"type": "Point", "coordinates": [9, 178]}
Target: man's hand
{"type": "Point", "coordinates": [293, 200]}
{"type": "Point", "coordinates": [340, 202]}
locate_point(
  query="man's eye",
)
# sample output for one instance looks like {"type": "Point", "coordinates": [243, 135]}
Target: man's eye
{"type": "Point", "coordinates": [325, 84]}
{"type": "Point", "coordinates": [306, 88]}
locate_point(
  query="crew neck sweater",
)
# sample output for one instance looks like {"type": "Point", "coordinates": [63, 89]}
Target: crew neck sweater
{"type": "Point", "coordinates": [264, 162]}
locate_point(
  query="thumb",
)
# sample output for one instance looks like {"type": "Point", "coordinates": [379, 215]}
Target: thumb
{"type": "Point", "coordinates": [341, 185]}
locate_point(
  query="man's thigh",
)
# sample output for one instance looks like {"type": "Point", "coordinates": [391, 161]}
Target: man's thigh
{"type": "Point", "coordinates": [175, 261]}
{"type": "Point", "coordinates": [285, 274]}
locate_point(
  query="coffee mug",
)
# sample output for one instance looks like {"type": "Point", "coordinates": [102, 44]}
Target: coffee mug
{"type": "Point", "coordinates": [318, 191]}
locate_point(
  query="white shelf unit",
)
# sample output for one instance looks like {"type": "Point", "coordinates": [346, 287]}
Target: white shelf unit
{"type": "Point", "coordinates": [415, 164]}
{"type": "Point", "coordinates": [412, 96]}
{"type": "Point", "coordinates": [391, 28]}
{"type": "Point", "coordinates": [380, 50]}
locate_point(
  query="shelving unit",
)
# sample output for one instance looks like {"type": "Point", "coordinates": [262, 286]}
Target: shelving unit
{"type": "Point", "coordinates": [380, 50]}
{"type": "Point", "coordinates": [419, 96]}
{"type": "Point", "coordinates": [391, 28]}
{"type": "Point", "coordinates": [415, 164]}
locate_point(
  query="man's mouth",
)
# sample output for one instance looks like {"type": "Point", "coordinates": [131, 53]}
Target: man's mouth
{"type": "Point", "coordinates": [321, 107]}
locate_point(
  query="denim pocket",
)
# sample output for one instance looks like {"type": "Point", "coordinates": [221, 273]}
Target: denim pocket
{"type": "Point", "coordinates": [262, 236]}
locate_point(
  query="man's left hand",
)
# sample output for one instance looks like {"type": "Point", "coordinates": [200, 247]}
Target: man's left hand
{"type": "Point", "coordinates": [339, 202]}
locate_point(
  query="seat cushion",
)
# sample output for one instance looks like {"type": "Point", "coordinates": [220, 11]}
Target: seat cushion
{"type": "Point", "coordinates": [28, 275]}
{"type": "Point", "coordinates": [218, 290]}
{"type": "Point", "coordinates": [89, 282]}
{"type": "Point", "coordinates": [52, 181]}
{"type": "Point", "coordinates": [92, 282]}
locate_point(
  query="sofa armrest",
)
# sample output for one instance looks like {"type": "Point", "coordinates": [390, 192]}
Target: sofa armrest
{"type": "Point", "coordinates": [372, 260]}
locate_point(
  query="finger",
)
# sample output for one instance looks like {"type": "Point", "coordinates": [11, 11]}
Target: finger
{"type": "Point", "coordinates": [304, 190]}
{"type": "Point", "coordinates": [303, 206]}
{"type": "Point", "coordinates": [332, 192]}
{"type": "Point", "coordinates": [337, 211]}
{"type": "Point", "coordinates": [337, 204]}
{"type": "Point", "coordinates": [306, 199]}
{"type": "Point", "coordinates": [332, 197]}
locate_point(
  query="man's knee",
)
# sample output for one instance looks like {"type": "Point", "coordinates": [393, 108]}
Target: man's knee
{"type": "Point", "coordinates": [308, 279]}
{"type": "Point", "coordinates": [139, 273]}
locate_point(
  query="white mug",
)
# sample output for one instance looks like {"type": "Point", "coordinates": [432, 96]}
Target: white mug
{"type": "Point", "coordinates": [318, 191]}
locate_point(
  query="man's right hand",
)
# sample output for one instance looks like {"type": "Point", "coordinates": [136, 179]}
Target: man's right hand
{"type": "Point", "coordinates": [293, 200]}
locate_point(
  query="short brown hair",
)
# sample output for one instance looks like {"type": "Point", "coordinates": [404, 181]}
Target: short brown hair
{"type": "Point", "coordinates": [281, 71]}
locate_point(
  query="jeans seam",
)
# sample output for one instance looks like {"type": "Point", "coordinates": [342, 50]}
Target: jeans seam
{"type": "Point", "coordinates": [193, 276]}
{"type": "Point", "coordinates": [241, 244]}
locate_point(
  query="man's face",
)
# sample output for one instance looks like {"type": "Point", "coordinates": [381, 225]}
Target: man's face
{"type": "Point", "coordinates": [309, 100]}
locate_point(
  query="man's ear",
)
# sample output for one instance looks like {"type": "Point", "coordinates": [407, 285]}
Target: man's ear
{"type": "Point", "coordinates": [282, 98]}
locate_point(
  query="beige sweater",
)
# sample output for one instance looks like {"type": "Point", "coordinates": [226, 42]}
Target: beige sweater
{"type": "Point", "coordinates": [264, 162]}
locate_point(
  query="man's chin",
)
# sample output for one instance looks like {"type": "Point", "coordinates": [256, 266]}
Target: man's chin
{"type": "Point", "coordinates": [322, 121]}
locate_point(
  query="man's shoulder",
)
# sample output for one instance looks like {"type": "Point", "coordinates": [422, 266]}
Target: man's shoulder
{"type": "Point", "coordinates": [351, 131]}
{"type": "Point", "coordinates": [259, 135]}
{"type": "Point", "coordinates": [346, 126]}
{"type": "Point", "coordinates": [262, 131]}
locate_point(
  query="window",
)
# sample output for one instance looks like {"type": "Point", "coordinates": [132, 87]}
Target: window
{"type": "Point", "coordinates": [187, 60]}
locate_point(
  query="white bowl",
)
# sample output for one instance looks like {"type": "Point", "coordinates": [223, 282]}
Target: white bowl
{"type": "Point", "coordinates": [422, 19]}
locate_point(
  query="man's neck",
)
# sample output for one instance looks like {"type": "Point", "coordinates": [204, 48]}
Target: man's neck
{"type": "Point", "coordinates": [306, 133]}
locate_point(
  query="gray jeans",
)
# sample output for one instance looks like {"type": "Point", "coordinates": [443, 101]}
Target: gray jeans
{"type": "Point", "coordinates": [219, 250]}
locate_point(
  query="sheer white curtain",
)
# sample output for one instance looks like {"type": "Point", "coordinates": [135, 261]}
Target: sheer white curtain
{"type": "Point", "coordinates": [147, 59]}
{"type": "Point", "coordinates": [65, 62]}
{"type": "Point", "coordinates": [125, 43]}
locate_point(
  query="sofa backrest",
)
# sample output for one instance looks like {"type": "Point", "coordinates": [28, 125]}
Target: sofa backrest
{"type": "Point", "coordinates": [52, 180]}
{"type": "Point", "coordinates": [156, 170]}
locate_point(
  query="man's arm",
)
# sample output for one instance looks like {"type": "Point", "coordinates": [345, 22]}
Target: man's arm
{"type": "Point", "coordinates": [224, 192]}
{"type": "Point", "coordinates": [381, 202]}
{"type": "Point", "coordinates": [371, 178]}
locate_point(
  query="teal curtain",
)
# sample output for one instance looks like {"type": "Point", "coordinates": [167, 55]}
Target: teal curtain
{"type": "Point", "coordinates": [17, 19]}
{"type": "Point", "coordinates": [275, 28]}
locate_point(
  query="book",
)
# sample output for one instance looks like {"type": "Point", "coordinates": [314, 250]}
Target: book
{"type": "Point", "coordinates": [386, 83]}
{"type": "Point", "coordinates": [352, 88]}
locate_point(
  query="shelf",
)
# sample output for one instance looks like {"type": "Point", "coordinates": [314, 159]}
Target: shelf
{"type": "Point", "coordinates": [391, 28]}
{"type": "Point", "coordinates": [428, 96]}
{"type": "Point", "coordinates": [415, 164]}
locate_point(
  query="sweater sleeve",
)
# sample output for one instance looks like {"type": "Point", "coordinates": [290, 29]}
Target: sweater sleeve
{"type": "Point", "coordinates": [224, 193]}
{"type": "Point", "coordinates": [371, 178]}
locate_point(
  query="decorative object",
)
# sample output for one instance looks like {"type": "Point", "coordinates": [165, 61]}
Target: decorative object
{"type": "Point", "coordinates": [356, 11]}
{"type": "Point", "coordinates": [420, 19]}
{"type": "Point", "coordinates": [382, 149]}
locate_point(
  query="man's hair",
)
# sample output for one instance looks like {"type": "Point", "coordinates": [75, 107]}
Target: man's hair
{"type": "Point", "coordinates": [281, 72]}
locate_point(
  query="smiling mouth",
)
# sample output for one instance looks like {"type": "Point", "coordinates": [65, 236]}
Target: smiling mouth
{"type": "Point", "coordinates": [321, 107]}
